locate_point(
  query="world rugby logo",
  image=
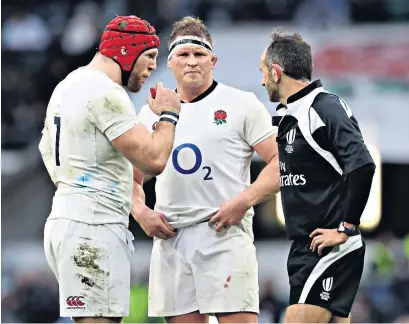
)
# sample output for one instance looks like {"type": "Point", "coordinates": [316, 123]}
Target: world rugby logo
{"type": "Point", "coordinates": [327, 283]}
{"type": "Point", "coordinates": [290, 140]}
{"type": "Point", "coordinates": [291, 136]}
{"type": "Point", "coordinates": [327, 286]}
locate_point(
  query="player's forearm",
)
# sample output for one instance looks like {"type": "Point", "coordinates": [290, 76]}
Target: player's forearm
{"type": "Point", "coordinates": [266, 185]}
{"type": "Point", "coordinates": [162, 144]}
{"type": "Point", "coordinates": [138, 200]}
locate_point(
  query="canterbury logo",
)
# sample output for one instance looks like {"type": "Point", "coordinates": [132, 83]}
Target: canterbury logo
{"type": "Point", "coordinates": [75, 301]}
{"type": "Point", "coordinates": [291, 136]}
{"type": "Point", "coordinates": [327, 283]}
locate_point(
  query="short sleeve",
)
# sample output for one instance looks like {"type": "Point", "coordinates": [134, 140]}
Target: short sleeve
{"type": "Point", "coordinates": [257, 124]}
{"type": "Point", "coordinates": [343, 134]}
{"type": "Point", "coordinates": [147, 117]}
{"type": "Point", "coordinates": [112, 114]}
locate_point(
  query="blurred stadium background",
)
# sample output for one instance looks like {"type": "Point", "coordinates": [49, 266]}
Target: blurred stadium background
{"type": "Point", "coordinates": [361, 50]}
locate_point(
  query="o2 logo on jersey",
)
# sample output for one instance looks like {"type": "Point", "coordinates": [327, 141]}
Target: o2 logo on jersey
{"type": "Point", "coordinates": [197, 164]}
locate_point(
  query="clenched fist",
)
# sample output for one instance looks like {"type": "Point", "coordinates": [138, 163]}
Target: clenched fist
{"type": "Point", "coordinates": [164, 99]}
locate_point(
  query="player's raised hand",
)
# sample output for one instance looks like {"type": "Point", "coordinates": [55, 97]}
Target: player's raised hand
{"type": "Point", "coordinates": [162, 98]}
{"type": "Point", "coordinates": [155, 224]}
{"type": "Point", "coordinates": [230, 213]}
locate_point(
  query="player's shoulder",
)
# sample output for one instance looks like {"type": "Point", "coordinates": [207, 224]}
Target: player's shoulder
{"type": "Point", "coordinates": [240, 97]}
{"type": "Point", "coordinates": [330, 105]}
{"type": "Point", "coordinates": [235, 91]}
{"type": "Point", "coordinates": [95, 83]}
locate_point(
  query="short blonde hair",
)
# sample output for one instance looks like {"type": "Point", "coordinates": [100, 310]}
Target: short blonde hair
{"type": "Point", "coordinates": [190, 26]}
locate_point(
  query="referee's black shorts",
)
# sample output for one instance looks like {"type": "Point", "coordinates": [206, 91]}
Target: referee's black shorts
{"type": "Point", "coordinates": [330, 281]}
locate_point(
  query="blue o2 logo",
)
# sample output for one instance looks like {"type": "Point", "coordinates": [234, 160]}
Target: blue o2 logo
{"type": "Point", "coordinates": [198, 161]}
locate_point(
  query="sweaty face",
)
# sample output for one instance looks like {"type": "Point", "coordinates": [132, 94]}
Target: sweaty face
{"type": "Point", "coordinates": [142, 69]}
{"type": "Point", "coordinates": [191, 65]}
{"type": "Point", "coordinates": [268, 82]}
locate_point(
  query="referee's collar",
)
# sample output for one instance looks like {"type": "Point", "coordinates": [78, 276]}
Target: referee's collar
{"type": "Point", "coordinates": [299, 103]}
{"type": "Point", "coordinates": [304, 92]}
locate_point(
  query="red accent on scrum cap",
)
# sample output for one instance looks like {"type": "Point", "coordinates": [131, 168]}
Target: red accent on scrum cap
{"type": "Point", "coordinates": [124, 39]}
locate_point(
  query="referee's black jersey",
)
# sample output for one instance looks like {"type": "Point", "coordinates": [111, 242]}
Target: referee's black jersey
{"type": "Point", "coordinates": [319, 143]}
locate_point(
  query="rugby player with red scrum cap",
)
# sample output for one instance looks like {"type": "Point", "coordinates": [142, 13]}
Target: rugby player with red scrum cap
{"type": "Point", "coordinates": [91, 141]}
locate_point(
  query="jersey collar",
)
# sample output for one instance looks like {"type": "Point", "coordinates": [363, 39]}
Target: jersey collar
{"type": "Point", "coordinates": [204, 94]}
{"type": "Point", "coordinates": [304, 92]}
{"type": "Point", "coordinates": [299, 103]}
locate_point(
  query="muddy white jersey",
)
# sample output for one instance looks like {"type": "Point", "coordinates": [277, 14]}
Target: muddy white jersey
{"type": "Point", "coordinates": [211, 156]}
{"type": "Point", "coordinates": [86, 112]}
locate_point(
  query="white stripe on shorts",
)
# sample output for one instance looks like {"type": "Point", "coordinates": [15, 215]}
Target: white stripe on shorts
{"type": "Point", "coordinates": [352, 244]}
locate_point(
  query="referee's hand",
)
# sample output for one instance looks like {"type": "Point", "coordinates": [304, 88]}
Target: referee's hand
{"type": "Point", "coordinates": [323, 238]}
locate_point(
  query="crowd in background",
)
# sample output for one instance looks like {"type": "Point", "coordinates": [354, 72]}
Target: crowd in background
{"type": "Point", "coordinates": [42, 41]}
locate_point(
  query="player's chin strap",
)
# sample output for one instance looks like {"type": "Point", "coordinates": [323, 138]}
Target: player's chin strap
{"type": "Point", "coordinates": [190, 41]}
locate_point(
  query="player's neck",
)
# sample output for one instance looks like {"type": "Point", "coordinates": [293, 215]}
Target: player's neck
{"type": "Point", "coordinates": [291, 88]}
{"type": "Point", "coordinates": [188, 94]}
{"type": "Point", "coordinates": [107, 66]}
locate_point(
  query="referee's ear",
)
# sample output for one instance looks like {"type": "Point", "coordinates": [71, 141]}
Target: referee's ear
{"type": "Point", "coordinates": [214, 60]}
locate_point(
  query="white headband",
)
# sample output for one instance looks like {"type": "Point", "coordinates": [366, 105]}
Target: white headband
{"type": "Point", "coordinates": [188, 41]}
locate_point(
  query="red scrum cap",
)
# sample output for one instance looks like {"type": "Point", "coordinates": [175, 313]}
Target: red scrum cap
{"type": "Point", "coordinates": [124, 39]}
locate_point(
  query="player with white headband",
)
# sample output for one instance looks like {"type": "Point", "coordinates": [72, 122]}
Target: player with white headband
{"type": "Point", "coordinates": [188, 40]}
{"type": "Point", "coordinates": [208, 265]}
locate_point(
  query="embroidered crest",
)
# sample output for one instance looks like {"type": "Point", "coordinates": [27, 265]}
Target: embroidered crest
{"type": "Point", "coordinates": [220, 117]}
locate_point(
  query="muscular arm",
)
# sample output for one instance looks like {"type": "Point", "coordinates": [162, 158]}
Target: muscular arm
{"type": "Point", "coordinates": [114, 116]}
{"type": "Point", "coordinates": [267, 183]}
{"type": "Point", "coordinates": [147, 152]}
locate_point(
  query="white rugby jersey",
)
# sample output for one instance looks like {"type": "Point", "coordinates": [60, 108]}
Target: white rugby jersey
{"type": "Point", "coordinates": [87, 110]}
{"type": "Point", "coordinates": [211, 156]}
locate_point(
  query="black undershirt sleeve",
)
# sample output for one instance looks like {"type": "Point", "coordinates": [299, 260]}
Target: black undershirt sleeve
{"type": "Point", "coordinates": [359, 184]}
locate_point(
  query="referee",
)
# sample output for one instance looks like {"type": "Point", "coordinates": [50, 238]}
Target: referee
{"type": "Point", "coordinates": [325, 178]}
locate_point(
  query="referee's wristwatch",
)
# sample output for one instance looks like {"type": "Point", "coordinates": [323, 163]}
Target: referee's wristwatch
{"type": "Point", "coordinates": [348, 231]}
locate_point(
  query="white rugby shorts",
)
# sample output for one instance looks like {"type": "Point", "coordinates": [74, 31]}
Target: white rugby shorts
{"type": "Point", "coordinates": [202, 270]}
{"type": "Point", "coordinates": [92, 266]}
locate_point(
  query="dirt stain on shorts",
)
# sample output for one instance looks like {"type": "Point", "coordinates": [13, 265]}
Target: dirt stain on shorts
{"type": "Point", "coordinates": [86, 280]}
{"type": "Point", "coordinates": [87, 256]}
